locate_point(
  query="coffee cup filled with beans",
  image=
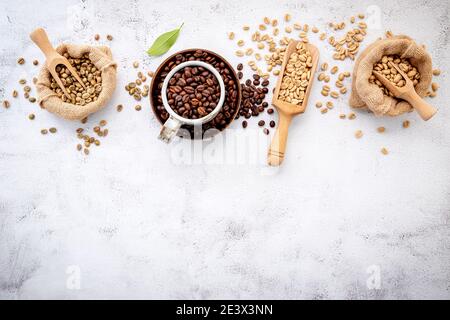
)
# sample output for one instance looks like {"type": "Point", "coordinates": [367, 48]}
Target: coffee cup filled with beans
{"type": "Point", "coordinates": [187, 91]}
{"type": "Point", "coordinates": [194, 94]}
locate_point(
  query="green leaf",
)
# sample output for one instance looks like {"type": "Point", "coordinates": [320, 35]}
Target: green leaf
{"type": "Point", "coordinates": [164, 42]}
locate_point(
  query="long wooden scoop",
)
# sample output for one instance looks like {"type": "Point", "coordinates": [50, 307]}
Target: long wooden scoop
{"type": "Point", "coordinates": [408, 93]}
{"type": "Point", "coordinates": [40, 38]}
{"type": "Point", "coordinates": [288, 110]}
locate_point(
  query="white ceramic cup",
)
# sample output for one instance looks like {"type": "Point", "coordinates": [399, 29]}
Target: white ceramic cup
{"type": "Point", "coordinates": [175, 121]}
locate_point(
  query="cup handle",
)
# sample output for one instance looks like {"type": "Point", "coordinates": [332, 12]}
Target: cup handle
{"type": "Point", "coordinates": [169, 129]}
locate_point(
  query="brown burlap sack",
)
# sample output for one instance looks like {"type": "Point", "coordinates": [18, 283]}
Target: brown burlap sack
{"type": "Point", "coordinates": [367, 95]}
{"type": "Point", "coordinates": [101, 57]}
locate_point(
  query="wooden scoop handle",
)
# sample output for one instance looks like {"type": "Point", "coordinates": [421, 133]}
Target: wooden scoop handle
{"type": "Point", "coordinates": [425, 110]}
{"type": "Point", "coordinates": [278, 145]}
{"type": "Point", "coordinates": [39, 36]}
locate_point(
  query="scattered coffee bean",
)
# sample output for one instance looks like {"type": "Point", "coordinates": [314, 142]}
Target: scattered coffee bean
{"type": "Point", "coordinates": [21, 61]}
{"type": "Point", "coordinates": [15, 93]}
{"type": "Point", "coordinates": [109, 37]}
{"type": "Point", "coordinates": [240, 66]}
{"type": "Point", "coordinates": [102, 123]}
{"type": "Point", "coordinates": [272, 124]}
{"type": "Point", "coordinates": [22, 81]}
{"type": "Point", "coordinates": [32, 99]}
{"type": "Point", "coordinates": [406, 124]}
{"type": "Point", "coordinates": [79, 147]}
{"type": "Point", "coordinates": [261, 123]}
{"type": "Point", "coordinates": [270, 111]}
{"type": "Point", "coordinates": [381, 129]}
{"type": "Point", "coordinates": [252, 103]}
{"type": "Point", "coordinates": [244, 124]}
{"type": "Point", "coordinates": [266, 131]}
{"type": "Point", "coordinates": [35, 62]}
{"type": "Point", "coordinates": [136, 64]}
{"type": "Point", "coordinates": [97, 37]}
{"type": "Point", "coordinates": [86, 151]}
{"type": "Point", "coordinates": [240, 75]}
{"type": "Point", "coordinates": [44, 131]}
{"type": "Point", "coordinates": [31, 116]}
{"type": "Point", "coordinates": [84, 120]}
{"type": "Point", "coordinates": [384, 151]}
{"type": "Point", "coordinates": [52, 130]}
{"type": "Point", "coordinates": [138, 107]}
{"type": "Point", "coordinates": [6, 104]}
{"type": "Point", "coordinates": [119, 108]}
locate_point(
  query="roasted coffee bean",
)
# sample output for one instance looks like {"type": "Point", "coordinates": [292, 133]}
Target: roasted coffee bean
{"type": "Point", "coordinates": [266, 131]}
{"type": "Point", "coordinates": [240, 75]}
{"type": "Point", "coordinates": [240, 66]}
{"type": "Point", "coordinates": [261, 123]}
{"type": "Point", "coordinates": [194, 79]}
{"type": "Point", "coordinates": [265, 83]}
{"type": "Point", "coordinates": [195, 93]}
{"type": "Point", "coordinates": [244, 124]}
{"type": "Point", "coordinates": [272, 124]}
{"type": "Point", "coordinates": [270, 111]}
{"type": "Point", "coordinates": [253, 96]}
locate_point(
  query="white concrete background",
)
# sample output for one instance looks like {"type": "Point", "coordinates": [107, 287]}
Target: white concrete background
{"type": "Point", "coordinates": [137, 224]}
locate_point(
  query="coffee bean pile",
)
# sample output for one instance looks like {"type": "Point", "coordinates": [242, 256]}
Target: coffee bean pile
{"type": "Point", "coordinates": [254, 92]}
{"type": "Point", "coordinates": [193, 93]}
{"type": "Point", "coordinates": [232, 90]}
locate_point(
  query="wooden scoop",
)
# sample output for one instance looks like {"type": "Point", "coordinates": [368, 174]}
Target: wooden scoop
{"type": "Point", "coordinates": [39, 37]}
{"type": "Point", "coordinates": [287, 110]}
{"type": "Point", "coordinates": [408, 93]}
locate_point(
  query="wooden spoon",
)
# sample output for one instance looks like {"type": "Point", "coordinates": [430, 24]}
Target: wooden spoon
{"type": "Point", "coordinates": [288, 110]}
{"type": "Point", "coordinates": [40, 38]}
{"type": "Point", "coordinates": [408, 93]}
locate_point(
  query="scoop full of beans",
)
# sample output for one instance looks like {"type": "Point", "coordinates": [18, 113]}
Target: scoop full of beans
{"type": "Point", "coordinates": [193, 92]}
{"type": "Point", "coordinates": [88, 73]}
{"type": "Point", "coordinates": [389, 72]}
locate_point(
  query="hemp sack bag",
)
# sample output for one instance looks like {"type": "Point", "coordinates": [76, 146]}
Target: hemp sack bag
{"type": "Point", "coordinates": [101, 57]}
{"type": "Point", "coordinates": [370, 96]}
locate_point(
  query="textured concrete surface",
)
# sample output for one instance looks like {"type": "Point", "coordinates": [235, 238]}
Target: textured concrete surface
{"type": "Point", "coordinates": [133, 220]}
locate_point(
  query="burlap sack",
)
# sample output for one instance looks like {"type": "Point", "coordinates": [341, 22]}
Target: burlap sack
{"type": "Point", "coordinates": [101, 57]}
{"type": "Point", "coordinates": [367, 95]}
